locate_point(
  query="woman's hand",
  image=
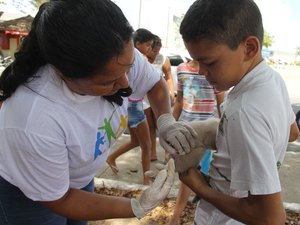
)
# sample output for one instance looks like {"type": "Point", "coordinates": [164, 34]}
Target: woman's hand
{"type": "Point", "coordinates": [156, 193]}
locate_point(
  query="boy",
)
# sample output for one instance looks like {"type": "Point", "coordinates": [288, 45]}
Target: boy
{"type": "Point", "coordinates": [195, 100]}
{"type": "Point", "coordinates": [226, 37]}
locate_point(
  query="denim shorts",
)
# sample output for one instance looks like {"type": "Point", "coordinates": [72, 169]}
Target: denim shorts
{"type": "Point", "coordinates": [136, 113]}
{"type": "Point", "coordinates": [17, 209]}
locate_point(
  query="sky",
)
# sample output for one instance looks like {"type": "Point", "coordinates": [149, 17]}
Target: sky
{"type": "Point", "coordinates": [281, 18]}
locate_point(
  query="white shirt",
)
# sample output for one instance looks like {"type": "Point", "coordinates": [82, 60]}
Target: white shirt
{"type": "Point", "coordinates": [157, 64]}
{"type": "Point", "coordinates": [52, 139]}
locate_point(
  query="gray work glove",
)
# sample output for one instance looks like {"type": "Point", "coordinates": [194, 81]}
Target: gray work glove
{"type": "Point", "coordinates": [206, 138]}
{"type": "Point", "coordinates": [156, 193]}
{"type": "Point", "coordinates": [175, 137]}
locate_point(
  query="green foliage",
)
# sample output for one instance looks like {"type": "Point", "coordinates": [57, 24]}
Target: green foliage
{"type": "Point", "coordinates": [297, 53]}
{"type": "Point", "coordinates": [268, 40]}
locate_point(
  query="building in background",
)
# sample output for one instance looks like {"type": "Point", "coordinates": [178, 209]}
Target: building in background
{"type": "Point", "coordinates": [12, 32]}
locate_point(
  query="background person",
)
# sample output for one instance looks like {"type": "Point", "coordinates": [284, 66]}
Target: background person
{"type": "Point", "coordinates": [72, 89]}
{"type": "Point", "coordinates": [163, 65]}
{"type": "Point", "coordinates": [138, 125]}
{"type": "Point", "coordinates": [257, 122]}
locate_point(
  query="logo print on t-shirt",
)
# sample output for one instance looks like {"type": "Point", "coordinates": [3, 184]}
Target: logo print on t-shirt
{"type": "Point", "coordinates": [123, 124]}
{"type": "Point", "coordinates": [109, 133]}
{"type": "Point", "coordinates": [108, 129]}
{"type": "Point", "coordinates": [100, 141]}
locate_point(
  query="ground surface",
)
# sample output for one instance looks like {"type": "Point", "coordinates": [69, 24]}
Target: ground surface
{"type": "Point", "coordinates": [163, 212]}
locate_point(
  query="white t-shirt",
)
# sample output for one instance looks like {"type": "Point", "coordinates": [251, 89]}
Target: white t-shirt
{"type": "Point", "coordinates": [52, 139]}
{"type": "Point", "coordinates": [251, 141]}
{"type": "Point", "coordinates": [159, 62]}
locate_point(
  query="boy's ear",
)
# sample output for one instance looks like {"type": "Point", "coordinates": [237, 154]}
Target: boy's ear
{"type": "Point", "coordinates": [252, 47]}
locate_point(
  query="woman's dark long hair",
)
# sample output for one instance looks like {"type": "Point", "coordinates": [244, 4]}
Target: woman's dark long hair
{"type": "Point", "coordinates": [77, 37]}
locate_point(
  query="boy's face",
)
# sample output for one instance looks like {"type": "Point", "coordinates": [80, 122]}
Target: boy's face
{"type": "Point", "coordinates": [222, 67]}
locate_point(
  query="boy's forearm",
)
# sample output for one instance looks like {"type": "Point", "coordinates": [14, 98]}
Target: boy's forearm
{"type": "Point", "coordinates": [254, 209]}
{"type": "Point", "coordinates": [245, 210]}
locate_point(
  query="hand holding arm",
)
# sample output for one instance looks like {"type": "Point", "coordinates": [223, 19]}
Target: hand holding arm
{"type": "Point", "coordinates": [206, 138]}
{"type": "Point", "coordinates": [173, 136]}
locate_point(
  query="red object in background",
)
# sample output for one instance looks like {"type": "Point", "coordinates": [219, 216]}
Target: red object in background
{"type": "Point", "coordinates": [4, 38]}
{"type": "Point", "coordinates": [4, 41]}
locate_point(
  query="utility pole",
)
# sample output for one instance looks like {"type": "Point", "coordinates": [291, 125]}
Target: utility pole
{"type": "Point", "coordinates": [168, 24]}
{"type": "Point", "coordinates": [140, 14]}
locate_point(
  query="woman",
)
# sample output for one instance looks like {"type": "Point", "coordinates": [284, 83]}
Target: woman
{"type": "Point", "coordinates": [71, 78]}
{"type": "Point", "coordinates": [163, 65]}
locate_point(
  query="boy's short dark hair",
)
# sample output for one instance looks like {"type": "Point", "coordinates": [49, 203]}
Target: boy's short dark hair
{"type": "Point", "coordinates": [229, 22]}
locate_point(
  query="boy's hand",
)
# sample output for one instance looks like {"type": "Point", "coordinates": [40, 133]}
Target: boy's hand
{"type": "Point", "coordinates": [194, 179]}
{"type": "Point", "coordinates": [175, 137]}
{"type": "Point", "coordinates": [156, 193]}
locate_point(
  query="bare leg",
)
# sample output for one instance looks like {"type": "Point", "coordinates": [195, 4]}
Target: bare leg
{"type": "Point", "coordinates": [111, 160]}
{"type": "Point", "coordinates": [152, 128]}
{"type": "Point", "coordinates": [143, 136]}
{"type": "Point", "coordinates": [182, 198]}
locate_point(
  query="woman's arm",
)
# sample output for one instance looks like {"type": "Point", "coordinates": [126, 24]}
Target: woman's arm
{"type": "Point", "coordinates": [159, 98]}
{"type": "Point", "coordinates": [174, 137]}
{"type": "Point", "coordinates": [81, 205]}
